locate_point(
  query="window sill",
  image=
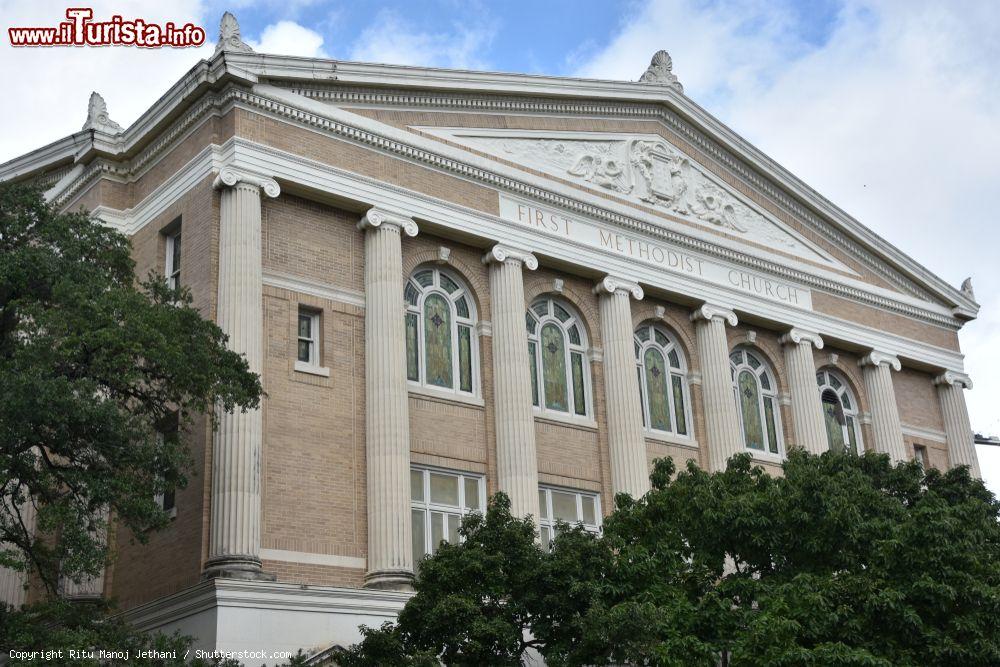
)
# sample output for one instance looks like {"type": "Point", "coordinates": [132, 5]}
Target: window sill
{"type": "Point", "coordinates": [446, 396]}
{"type": "Point", "coordinates": [765, 457]}
{"type": "Point", "coordinates": [302, 367]}
{"type": "Point", "coordinates": [585, 423]}
{"type": "Point", "coordinates": [671, 439]}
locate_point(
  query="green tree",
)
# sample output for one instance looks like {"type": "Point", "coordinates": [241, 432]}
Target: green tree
{"type": "Point", "coordinates": [93, 363]}
{"type": "Point", "coordinates": [842, 560]}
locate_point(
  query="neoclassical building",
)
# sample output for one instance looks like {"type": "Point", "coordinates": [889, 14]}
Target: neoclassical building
{"type": "Point", "coordinates": [455, 283]}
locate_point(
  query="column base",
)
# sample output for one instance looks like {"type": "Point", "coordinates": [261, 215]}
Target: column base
{"type": "Point", "coordinates": [247, 568]}
{"type": "Point", "coordinates": [390, 580]}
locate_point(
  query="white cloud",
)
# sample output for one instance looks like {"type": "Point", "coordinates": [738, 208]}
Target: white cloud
{"type": "Point", "coordinates": [390, 39]}
{"type": "Point", "coordinates": [893, 118]}
{"type": "Point", "coordinates": [288, 38]}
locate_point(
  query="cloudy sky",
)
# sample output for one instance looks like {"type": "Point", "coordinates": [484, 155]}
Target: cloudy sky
{"type": "Point", "coordinates": [891, 109]}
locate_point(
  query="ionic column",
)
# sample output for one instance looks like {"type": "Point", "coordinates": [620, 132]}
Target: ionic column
{"type": "Point", "coordinates": [961, 447]}
{"type": "Point", "coordinates": [808, 425]}
{"type": "Point", "coordinates": [517, 462]}
{"type": "Point", "coordinates": [387, 414]}
{"type": "Point", "coordinates": [722, 424]}
{"type": "Point", "coordinates": [234, 546]}
{"type": "Point", "coordinates": [887, 432]}
{"type": "Point", "coordinates": [626, 440]}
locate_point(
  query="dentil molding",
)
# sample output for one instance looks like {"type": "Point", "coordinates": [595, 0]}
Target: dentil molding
{"type": "Point", "coordinates": [611, 284]}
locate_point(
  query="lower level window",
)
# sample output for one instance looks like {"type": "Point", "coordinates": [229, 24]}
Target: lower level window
{"type": "Point", "coordinates": [573, 507]}
{"type": "Point", "coordinates": [438, 501]}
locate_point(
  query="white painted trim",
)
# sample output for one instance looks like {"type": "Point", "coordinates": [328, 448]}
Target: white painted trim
{"type": "Point", "coordinates": [303, 367]}
{"type": "Point", "coordinates": [561, 419]}
{"type": "Point", "coordinates": [313, 288]}
{"type": "Point", "coordinates": [418, 390]}
{"type": "Point", "coordinates": [925, 433]}
{"type": "Point", "coordinates": [670, 438]}
{"type": "Point", "coordinates": [310, 558]}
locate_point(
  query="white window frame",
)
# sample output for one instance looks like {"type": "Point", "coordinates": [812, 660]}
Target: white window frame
{"type": "Point", "coordinates": [582, 348]}
{"type": "Point", "coordinates": [469, 321]}
{"type": "Point", "coordinates": [312, 365]}
{"type": "Point", "coordinates": [921, 456]}
{"type": "Point", "coordinates": [547, 521]}
{"type": "Point", "coordinates": [682, 372]}
{"type": "Point", "coordinates": [173, 273]}
{"type": "Point", "coordinates": [426, 507]}
{"type": "Point", "coordinates": [160, 498]}
{"type": "Point", "coordinates": [772, 393]}
{"type": "Point", "coordinates": [825, 384]}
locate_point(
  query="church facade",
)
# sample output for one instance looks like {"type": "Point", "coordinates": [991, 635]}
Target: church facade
{"type": "Point", "coordinates": [455, 283]}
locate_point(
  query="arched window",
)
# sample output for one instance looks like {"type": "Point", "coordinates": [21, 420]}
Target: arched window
{"type": "Point", "coordinates": [840, 412]}
{"type": "Point", "coordinates": [662, 380]}
{"type": "Point", "coordinates": [441, 350]}
{"type": "Point", "coordinates": [756, 401]}
{"type": "Point", "coordinates": [557, 348]}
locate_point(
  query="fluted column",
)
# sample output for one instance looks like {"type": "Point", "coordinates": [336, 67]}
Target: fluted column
{"type": "Point", "coordinates": [13, 582]}
{"type": "Point", "coordinates": [887, 430]}
{"type": "Point", "coordinates": [387, 414]}
{"type": "Point", "coordinates": [626, 440]}
{"type": "Point", "coordinates": [722, 424]}
{"type": "Point", "coordinates": [234, 546]}
{"type": "Point", "coordinates": [951, 388]}
{"type": "Point", "coordinates": [808, 424]}
{"type": "Point", "coordinates": [517, 462]}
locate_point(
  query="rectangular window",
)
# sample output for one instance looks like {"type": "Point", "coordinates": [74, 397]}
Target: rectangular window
{"type": "Point", "coordinates": [167, 500]}
{"type": "Point", "coordinates": [438, 501]}
{"type": "Point", "coordinates": [568, 505]}
{"type": "Point", "coordinates": [920, 456]}
{"type": "Point", "coordinates": [173, 265]}
{"type": "Point", "coordinates": [308, 334]}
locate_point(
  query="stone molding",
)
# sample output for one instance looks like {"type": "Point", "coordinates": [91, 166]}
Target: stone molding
{"type": "Point", "coordinates": [954, 379]}
{"type": "Point", "coordinates": [229, 177]}
{"type": "Point", "coordinates": [796, 336]}
{"type": "Point", "coordinates": [612, 284]}
{"type": "Point", "coordinates": [876, 358]}
{"type": "Point", "coordinates": [375, 218]}
{"type": "Point", "coordinates": [710, 311]}
{"type": "Point", "coordinates": [229, 36]}
{"type": "Point", "coordinates": [505, 253]}
{"type": "Point", "coordinates": [660, 71]}
{"type": "Point", "coordinates": [97, 116]}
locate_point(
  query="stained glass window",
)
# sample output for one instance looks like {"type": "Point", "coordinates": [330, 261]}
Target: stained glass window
{"type": "Point", "coordinates": [557, 348]}
{"type": "Point", "coordinates": [662, 380]}
{"type": "Point", "coordinates": [839, 412]}
{"type": "Point", "coordinates": [754, 391]}
{"type": "Point", "coordinates": [441, 350]}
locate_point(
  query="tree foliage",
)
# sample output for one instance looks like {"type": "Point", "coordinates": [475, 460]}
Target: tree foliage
{"type": "Point", "coordinates": [92, 364]}
{"type": "Point", "coordinates": [842, 560]}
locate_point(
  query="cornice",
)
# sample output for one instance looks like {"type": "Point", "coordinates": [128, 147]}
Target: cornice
{"type": "Point", "coordinates": [612, 284]}
{"type": "Point", "coordinates": [506, 253]}
{"type": "Point", "coordinates": [796, 336]}
{"type": "Point", "coordinates": [709, 311]}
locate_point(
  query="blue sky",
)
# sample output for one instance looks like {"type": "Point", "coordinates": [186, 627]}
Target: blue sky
{"type": "Point", "coordinates": [889, 108]}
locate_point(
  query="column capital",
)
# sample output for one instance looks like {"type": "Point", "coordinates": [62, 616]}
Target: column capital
{"type": "Point", "coordinates": [710, 311]}
{"type": "Point", "coordinates": [796, 336]}
{"type": "Point", "coordinates": [229, 177]}
{"type": "Point", "coordinates": [611, 284]}
{"type": "Point", "coordinates": [378, 218]}
{"type": "Point", "coordinates": [506, 253]}
{"type": "Point", "coordinates": [877, 358]}
{"type": "Point", "coordinates": [955, 379]}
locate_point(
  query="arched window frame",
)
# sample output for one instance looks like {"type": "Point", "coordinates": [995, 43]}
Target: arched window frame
{"type": "Point", "coordinates": [828, 380]}
{"type": "Point", "coordinates": [541, 313]}
{"type": "Point", "coordinates": [415, 295]}
{"type": "Point", "coordinates": [748, 359]}
{"type": "Point", "coordinates": [663, 340]}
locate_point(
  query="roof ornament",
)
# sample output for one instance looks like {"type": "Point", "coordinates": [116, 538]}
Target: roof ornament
{"type": "Point", "coordinates": [660, 71]}
{"type": "Point", "coordinates": [967, 288]}
{"type": "Point", "coordinates": [97, 116]}
{"type": "Point", "coordinates": [229, 36]}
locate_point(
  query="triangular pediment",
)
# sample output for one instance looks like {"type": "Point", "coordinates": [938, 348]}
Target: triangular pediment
{"type": "Point", "coordinates": [648, 171]}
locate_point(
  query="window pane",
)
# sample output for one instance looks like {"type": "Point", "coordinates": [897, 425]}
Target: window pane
{"type": "Point", "coordinates": [846, 400]}
{"type": "Point", "coordinates": [852, 435]}
{"type": "Point", "coordinates": [454, 521]}
{"type": "Point", "coordinates": [834, 382]}
{"type": "Point", "coordinates": [529, 323]}
{"type": "Point", "coordinates": [169, 499]}
{"type": "Point", "coordinates": [554, 368]}
{"type": "Point", "coordinates": [834, 430]}
{"type": "Point", "coordinates": [589, 510]}
{"type": "Point", "coordinates": [642, 395]}
{"type": "Point", "coordinates": [643, 334]}
{"type": "Point", "coordinates": [417, 485]}
{"type": "Point", "coordinates": [448, 285]}
{"type": "Point", "coordinates": [471, 493]}
{"type": "Point", "coordinates": [410, 294]}
{"type": "Point", "coordinates": [772, 432]}
{"type": "Point", "coordinates": [418, 518]}
{"type": "Point", "coordinates": [546, 538]}
{"type": "Point", "coordinates": [437, 530]}
{"type": "Point", "coordinates": [656, 390]}
{"type": "Point", "coordinates": [464, 358]}
{"type": "Point", "coordinates": [574, 335]}
{"type": "Point", "coordinates": [753, 430]}
{"type": "Point", "coordinates": [819, 380]}
{"type": "Point", "coordinates": [541, 308]}
{"type": "Point", "coordinates": [543, 509]}
{"type": "Point", "coordinates": [579, 388]}
{"type": "Point", "coordinates": [424, 278]}
{"type": "Point", "coordinates": [675, 361]}
{"type": "Point", "coordinates": [412, 358]}
{"type": "Point", "coordinates": [736, 357]}
{"type": "Point", "coordinates": [437, 341]}
{"type": "Point", "coordinates": [564, 506]}
{"type": "Point", "coordinates": [560, 312]}
{"type": "Point", "coordinates": [765, 381]}
{"type": "Point", "coordinates": [305, 326]}
{"type": "Point", "coordinates": [304, 351]}
{"type": "Point", "coordinates": [679, 411]}
{"type": "Point", "coordinates": [753, 361]}
{"type": "Point", "coordinates": [533, 367]}
{"type": "Point", "coordinates": [175, 256]}
{"type": "Point", "coordinates": [462, 307]}
{"type": "Point", "coordinates": [444, 489]}
{"type": "Point", "coordinates": [660, 338]}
